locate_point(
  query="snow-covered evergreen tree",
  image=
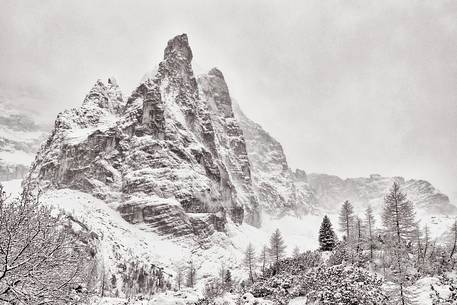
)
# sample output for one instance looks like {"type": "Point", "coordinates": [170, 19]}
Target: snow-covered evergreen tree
{"type": "Point", "coordinates": [228, 279]}
{"type": "Point", "coordinates": [327, 237]}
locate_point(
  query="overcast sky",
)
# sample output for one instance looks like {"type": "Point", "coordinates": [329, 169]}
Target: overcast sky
{"type": "Point", "coordinates": [348, 87]}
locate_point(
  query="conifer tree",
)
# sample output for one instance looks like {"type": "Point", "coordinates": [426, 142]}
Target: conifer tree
{"type": "Point", "coordinates": [222, 272]}
{"type": "Point", "coordinates": [327, 238]}
{"type": "Point", "coordinates": [346, 219]}
{"type": "Point", "coordinates": [419, 246]}
{"type": "Point", "coordinates": [191, 274]}
{"type": "Point", "coordinates": [179, 276]}
{"type": "Point", "coordinates": [359, 235]}
{"type": "Point", "coordinates": [277, 247]}
{"type": "Point", "coordinates": [370, 222]}
{"type": "Point", "coordinates": [399, 215]}
{"type": "Point", "coordinates": [249, 261]}
{"type": "Point", "coordinates": [228, 279]}
{"type": "Point", "coordinates": [453, 238]}
{"type": "Point", "coordinates": [426, 243]}
{"type": "Point", "coordinates": [263, 259]}
{"type": "Point", "coordinates": [400, 225]}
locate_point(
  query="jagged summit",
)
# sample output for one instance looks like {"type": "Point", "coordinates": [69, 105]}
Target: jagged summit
{"type": "Point", "coordinates": [162, 158]}
{"type": "Point", "coordinates": [108, 96]}
{"type": "Point", "coordinates": [178, 47]}
{"type": "Point", "coordinates": [216, 72]}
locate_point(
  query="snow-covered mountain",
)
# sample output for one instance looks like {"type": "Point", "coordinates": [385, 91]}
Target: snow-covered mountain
{"type": "Point", "coordinates": [176, 171]}
{"type": "Point", "coordinates": [331, 191]}
{"type": "Point", "coordinates": [161, 157]}
{"type": "Point", "coordinates": [20, 139]}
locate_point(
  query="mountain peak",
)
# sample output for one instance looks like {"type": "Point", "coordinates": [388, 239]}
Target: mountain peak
{"type": "Point", "coordinates": [178, 47]}
{"type": "Point", "coordinates": [105, 96]}
{"type": "Point", "coordinates": [216, 72]}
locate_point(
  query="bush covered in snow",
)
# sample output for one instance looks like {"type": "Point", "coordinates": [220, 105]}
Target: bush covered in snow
{"type": "Point", "coordinates": [342, 285]}
{"type": "Point", "coordinates": [298, 264]}
{"type": "Point", "coordinates": [337, 284]}
{"type": "Point", "coordinates": [282, 285]}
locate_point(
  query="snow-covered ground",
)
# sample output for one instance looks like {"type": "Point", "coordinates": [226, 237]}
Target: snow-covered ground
{"type": "Point", "coordinates": [105, 221]}
{"type": "Point", "coordinates": [119, 238]}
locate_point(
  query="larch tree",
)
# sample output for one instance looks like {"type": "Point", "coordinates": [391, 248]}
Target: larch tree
{"type": "Point", "coordinates": [346, 219]}
{"type": "Point", "coordinates": [399, 221]}
{"type": "Point", "coordinates": [327, 237]}
{"type": "Point", "coordinates": [426, 243]}
{"type": "Point", "coordinates": [419, 246]}
{"type": "Point", "coordinates": [453, 239]}
{"type": "Point", "coordinates": [359, 235]}
{"type": "Point", "coordinates": [263, 259]}
{"type": "Point", "coordinates": [370, 222]}
{"type": "Point", "coordinates": [277, 248]}
{"type": "Point", "coordinates": [222, 272]}
{"type": "Point", "coordinates": [398, 216]}
{"type": "Point", "coordinates": [249, 261]}
{"type": "Point", "coordinates": [191, 274]}
{"type": "Point", "coordinates": [179, 275]}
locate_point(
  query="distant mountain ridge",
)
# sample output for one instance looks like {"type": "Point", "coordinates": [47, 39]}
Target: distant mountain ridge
{"type": "Point", "coordinates": [20, 139]}
{"type": "Point", "coordinates": [331, 191]}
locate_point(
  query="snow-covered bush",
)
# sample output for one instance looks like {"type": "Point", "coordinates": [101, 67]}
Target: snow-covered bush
{"type": "Point", "coordinates": [282, 286]}
{"type": "Point", "coordinates": [342, 285]}
{"type": "Point", "coordinates": [298, 264]}
{"type": "Point", "coordinates": [340, 254]}
{"type": "Point", "coordinates": [213, 289]}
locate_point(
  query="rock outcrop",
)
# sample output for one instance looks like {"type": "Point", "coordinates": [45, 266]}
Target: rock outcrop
{"type": "Point", "coordinates": [331, 191]}
{"type": "Point", "coordinates": [165, 156]}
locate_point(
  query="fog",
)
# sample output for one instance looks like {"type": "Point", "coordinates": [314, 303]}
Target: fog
{"type": "Point", "coordinates": [348, 87]}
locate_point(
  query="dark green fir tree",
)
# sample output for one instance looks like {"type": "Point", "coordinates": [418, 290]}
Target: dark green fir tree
{"type": "Point", "coordinates": [327, 237]}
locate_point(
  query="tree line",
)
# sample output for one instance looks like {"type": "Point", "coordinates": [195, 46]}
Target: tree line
{"type": "Point", "coordinates": [401, 249]}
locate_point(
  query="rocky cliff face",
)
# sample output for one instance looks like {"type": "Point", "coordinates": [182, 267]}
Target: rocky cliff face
{"type": "Point", "coordinates": [229, 139]}
{"type": "Point", "coordinates": [279, 189]}
{"type": "Point", "coordinates": [20, 139]}
{"type": "Point", "coordinates": [165, 156]}
{"type": "Point", "coordinates": [331, 191]}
